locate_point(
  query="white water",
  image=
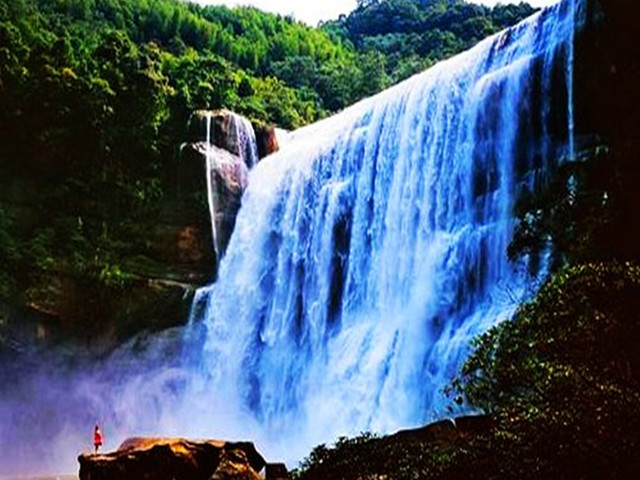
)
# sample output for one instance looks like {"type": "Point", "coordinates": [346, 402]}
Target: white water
{"type": "Point", "coordinates": [246, 140]}
{"type": "Point", "coordinates": [372, 249]}
{"type": "Point", "coordinates": [210, 191]}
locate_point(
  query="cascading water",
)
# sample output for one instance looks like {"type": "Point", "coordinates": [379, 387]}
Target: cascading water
{"type": "Point", "coordinates": [246, 139]}
{"type": "Point", "coordinates": [371, 250]}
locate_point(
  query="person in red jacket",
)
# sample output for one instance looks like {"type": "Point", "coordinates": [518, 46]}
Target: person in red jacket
{"type": "Point", "coordinates": [97, 438]}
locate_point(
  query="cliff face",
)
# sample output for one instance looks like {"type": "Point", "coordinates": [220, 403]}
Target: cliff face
{"type": "Point", "coordinates": [156, 264]}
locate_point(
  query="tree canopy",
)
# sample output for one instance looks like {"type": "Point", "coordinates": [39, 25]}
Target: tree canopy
{"type": "Point", "coordinates": [411, 35]}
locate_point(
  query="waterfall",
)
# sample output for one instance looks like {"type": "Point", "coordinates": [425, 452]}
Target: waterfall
{"type": "Point", "coordinates": [371, 250]}
{"type": "Point", "coordinates": [366, 255]}
{"type": "Point", "coordinates": [246, 139]}
{"type": "Point", "coordinates": [210, 190]}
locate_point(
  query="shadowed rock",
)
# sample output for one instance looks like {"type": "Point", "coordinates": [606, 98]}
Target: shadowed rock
{"type": "Point", "coordinates": [267, 140]}
{"type": "Point", "coordinates": [234, 464]}
{"type": "Point", "coordinates": [276, 471]}
{"type": "Point", "coordinates": [445, 432]}
{"type": "Point", "coordinates": [174, 459]}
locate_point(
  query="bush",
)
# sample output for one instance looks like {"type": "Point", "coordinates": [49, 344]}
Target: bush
{"type": "Point", "coordinates": [563, 378]}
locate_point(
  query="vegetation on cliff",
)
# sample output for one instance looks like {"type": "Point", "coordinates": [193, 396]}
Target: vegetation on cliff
{"type": "Point", "coordinates": [407, 36]}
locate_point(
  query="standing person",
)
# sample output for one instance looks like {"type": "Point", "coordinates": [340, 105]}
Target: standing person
{"type": "Point", "coordinates": [97, 438]}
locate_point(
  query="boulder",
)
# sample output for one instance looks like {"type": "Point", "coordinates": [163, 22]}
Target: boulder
{"type": "Point", "coordinates": [174, 459]}
{"type": "Point", "coordinates": [267, 140]}
{"type": "Point", "coordinates": [235, 465]}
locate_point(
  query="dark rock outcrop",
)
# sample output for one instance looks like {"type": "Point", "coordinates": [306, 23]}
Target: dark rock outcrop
{"type": "Point", "coordinates": [229, 176]}
{"type": "Point", "coordinates": [276, 471]}
{"type": "Point", "coordinates": [267, 140]}
{"type": "Point", "coordinates": [66, 308]}
{"type": "Point", "coordinates": [607, 100]}
{"type": "Point", "coordinates": [445, 432]}
{"type": "Point", "coordinates": [174, 459]}
{"type": "Point", "coordinates": [147, 285]}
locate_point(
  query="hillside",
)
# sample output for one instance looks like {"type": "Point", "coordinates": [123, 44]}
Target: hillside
{"type": "Point", "coordinates": [408, 36]}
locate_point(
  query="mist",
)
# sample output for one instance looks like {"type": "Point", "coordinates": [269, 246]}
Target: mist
{"type": "Point", "coordinates": [150, 386]}
{"type": "Point", "coordinates": [51, 400]}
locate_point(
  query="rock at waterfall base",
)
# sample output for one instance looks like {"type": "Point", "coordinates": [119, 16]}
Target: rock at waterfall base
{"type": "Point", "coordinates": [235, 465]}
{"type": "Point", "coordinates": [174, 459]}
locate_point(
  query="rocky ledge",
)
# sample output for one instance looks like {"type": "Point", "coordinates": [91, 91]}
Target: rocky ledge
{"type": "Point", "coordinates": [174, 459]}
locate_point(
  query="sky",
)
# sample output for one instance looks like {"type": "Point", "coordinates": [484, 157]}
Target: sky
{"type": "Point", "coordinates": [312, 11]}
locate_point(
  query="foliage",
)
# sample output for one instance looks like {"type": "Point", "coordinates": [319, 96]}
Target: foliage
{"type": "Point", "coordinates": [413, 34]}
{"type": "Point", "coordinates": [10, 254]}
{"type": "Point", "coordinates": [94, 99]}
{"type": "Point", "coordinates": [563, 378]}
{"type": "Point", "coordinates": [370, 456]}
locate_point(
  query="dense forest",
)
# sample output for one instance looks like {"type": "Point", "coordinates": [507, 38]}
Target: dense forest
{"type": "Point", "coordinates": [408, 36]}
{"type": "Point", "coordinates": [95, 96]}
